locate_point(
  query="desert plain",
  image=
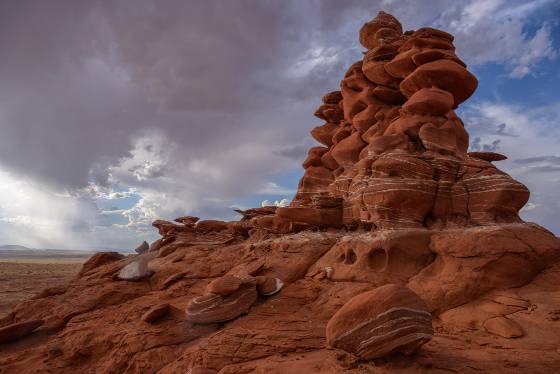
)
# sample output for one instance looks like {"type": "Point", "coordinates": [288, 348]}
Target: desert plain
{"type": "Point", "coordinates": [24, 273]}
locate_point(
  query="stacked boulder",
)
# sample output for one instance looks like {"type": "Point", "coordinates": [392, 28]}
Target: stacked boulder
{"type": "Point", "coordinates": [394, 151]}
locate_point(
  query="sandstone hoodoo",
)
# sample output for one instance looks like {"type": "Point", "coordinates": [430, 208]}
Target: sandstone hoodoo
{"type": "Point", "coordinates": [401, 252]}
{"type": "Point", "coordinates": [396, 152]}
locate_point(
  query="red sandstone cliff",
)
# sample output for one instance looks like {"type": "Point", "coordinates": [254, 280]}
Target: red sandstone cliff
{"type": "Point", "coordinates": [400, 253]}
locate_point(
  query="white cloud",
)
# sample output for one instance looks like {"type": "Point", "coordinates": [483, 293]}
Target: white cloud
{"type": "Point", "coordinates": [316, 58]}
{"type": "Point", "coordinates": [272, 188]}
{"type": "Point", "coordinates": [534, 50]}
{"type": "Point", "coordinates": [494, 31]}
{"type": "Point", "coordinates": [486, 31]}
{"type": "Point", "coordinates": [206, 186]}
{"type": "Point", "coordinates": [528, 207]}
{"type": "Point", "coordinates": [474, 12]}
{"type": "Point", "coordinates": [278, 203]}
{"type": "Point", "coordinates": [33, 215]}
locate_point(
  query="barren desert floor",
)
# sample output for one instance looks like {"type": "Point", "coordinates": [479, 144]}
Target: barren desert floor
{"type": "Point", "coordinates": [25, 273]}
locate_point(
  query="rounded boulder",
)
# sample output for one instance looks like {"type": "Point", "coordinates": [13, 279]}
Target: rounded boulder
{"type": "Point", "coordinates": [391, 318]}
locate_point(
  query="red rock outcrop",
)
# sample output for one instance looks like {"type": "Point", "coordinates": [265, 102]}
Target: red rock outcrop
{"type": "Point", "coordinates": [396, 233]}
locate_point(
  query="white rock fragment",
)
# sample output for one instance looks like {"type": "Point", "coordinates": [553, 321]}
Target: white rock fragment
{"type": "Point", "coordinates": [136, 270]}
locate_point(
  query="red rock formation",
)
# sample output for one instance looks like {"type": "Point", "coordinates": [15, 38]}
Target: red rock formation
{"type": "Point", "coordinates": [392, 197]}
{"type": "Point", "coordinates": [395, 152]}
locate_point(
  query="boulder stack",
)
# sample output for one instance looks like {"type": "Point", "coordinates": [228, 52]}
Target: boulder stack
{"type": "Point", "coordinates": [393, 150]}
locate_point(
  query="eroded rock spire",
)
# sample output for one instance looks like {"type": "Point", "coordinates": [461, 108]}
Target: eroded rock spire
{"type": "Point", "coordinates": [394, 151]}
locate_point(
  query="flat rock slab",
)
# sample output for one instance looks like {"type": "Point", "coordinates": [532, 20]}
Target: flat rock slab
{"type": "Point", "coordinates": [156, 313]}
{"type": "Point", "coordinates": [19, 330]}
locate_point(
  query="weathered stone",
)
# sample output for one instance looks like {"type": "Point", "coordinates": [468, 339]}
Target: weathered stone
{"type": "Point", "coordinates": [255, 212]}
{"type": "Point", "coordinates": [172, 279]}
{"type": "Point", "coordinates": [316, 217]}
{"type": "Point", "coordinates": [324, 134]}
{"type": "Point", "coordinates": [156, 245]}
{"type": "Point", "coordinates": [136, 270]}
{"type": "Point", "coordinates": [330, 113]}
{"type": "Point", "coordinates": [332, 97]}
{"type": "Point", "coordinates": [212, 308]}
{"type": "Point", "coordinates": [19, 330]}
{"type": "Point", "coordinates": [187, 220]}
{"type": "Point", "coordinates": [211, 225]}
{"type": "Point", "coordinates": [314, 157]}
{"type": "Point", "coordinates": [144, 247]}
{"type": "Point", "coordinates": [156, 313]}
{"type": "Point", "coordinates": [99, 259]}
{"type": "Point", "coordinates": [368, 37]}
{"type": "Point", "coordinates": [444, 74]}
{"type": "Point", "coordinates": [392, 198]}
{"type": "Point", "coordinates": [430, 101]}
{"type": "Point", "coordinates": [374, 324]}
{"type": "Point", "coordinates": [504, 327]}
{"type": "Point", "coordinates": [488, 156]}
{"type": "Point", "coordinates": [228, 284]}
{"type": "Point", "coordinates": [267, 286]}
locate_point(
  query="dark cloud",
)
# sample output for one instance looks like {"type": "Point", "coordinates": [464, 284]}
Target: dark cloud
{"type": "Point", "coordinates": [81, 79]}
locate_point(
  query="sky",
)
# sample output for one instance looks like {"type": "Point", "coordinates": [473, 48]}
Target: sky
{"type": "Point", "coordinates": [115, 113]}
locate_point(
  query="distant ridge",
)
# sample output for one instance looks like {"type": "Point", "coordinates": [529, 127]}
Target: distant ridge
{"type": "Point", "coordinates": [16, 247]}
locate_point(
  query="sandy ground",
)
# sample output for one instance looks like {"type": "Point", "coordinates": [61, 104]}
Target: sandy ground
{"type": "Point", "coordinates": [25, 273]}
